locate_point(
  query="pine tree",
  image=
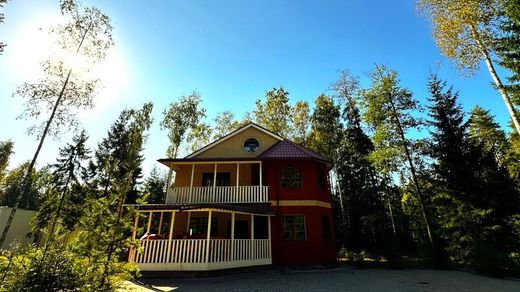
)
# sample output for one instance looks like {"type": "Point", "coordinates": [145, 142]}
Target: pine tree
{"type": "Point", "coordinates": [507, 46]}
{"type": "Point", "coordinates": [154, 186]}
{"type": "Point", "coordinates": [484, 131]}
{"type": "Point", "coordinates": [477, 200]}
{"type": "Point", "coordinates": [325, 127]}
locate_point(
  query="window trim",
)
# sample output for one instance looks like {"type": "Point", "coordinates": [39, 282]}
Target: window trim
{"type": "Point", "coordinates": [251, 152]}
{"type": "Point", "coordinates": [320, 176]}
{"type": "Point", "coordinates": [292, 185]}
{"type": "Point", "coordinates": [293, 231]}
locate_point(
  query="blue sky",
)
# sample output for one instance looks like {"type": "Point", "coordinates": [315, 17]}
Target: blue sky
{"type": "Point", "coordinates": [231, 52]}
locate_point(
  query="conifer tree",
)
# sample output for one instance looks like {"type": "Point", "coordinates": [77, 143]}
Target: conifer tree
{"type": "Point", "coordinates": [507, 46]}
{"type": "Point", "coordinates": [325, 127]}
{"type": "Point", "coordinates": [154, 186]}
{"type": "Point", "coordinates": [477, 200]}
{"type": "Point", "coordinates": [484, 131]}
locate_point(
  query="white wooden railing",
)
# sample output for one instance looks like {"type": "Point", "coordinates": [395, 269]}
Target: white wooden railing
{"type": "Point", "coordinates": [194, 254]}
{"type": "Point", "coordinates": [226, 194]}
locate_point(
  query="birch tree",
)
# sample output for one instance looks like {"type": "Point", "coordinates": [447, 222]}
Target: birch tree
{"type": "Point", "coordinates": [65, 85]}
{"type": "Point", "coordinates": [2, 3]}
{"type": "Point", "coordinates": [465, 31]}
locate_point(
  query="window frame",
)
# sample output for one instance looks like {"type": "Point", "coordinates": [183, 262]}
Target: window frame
{"type": "Point", "coordinates": [244, 145]}
{"type": "Point", "coordinates": [326, 232]}
{"type": "Point", "coordinates": [292, 184]}
{"type": "Point", "coordinates": [293, 231]}
{"type": "Point", "coordinates": [321, 181]}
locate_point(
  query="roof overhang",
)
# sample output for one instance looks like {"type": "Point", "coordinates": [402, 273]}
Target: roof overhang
{"type": "Point", "coordinates": [249, 208]}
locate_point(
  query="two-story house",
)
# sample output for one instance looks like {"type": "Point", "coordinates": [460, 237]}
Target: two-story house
{"type": "Point", "coordinates": [250, 198]}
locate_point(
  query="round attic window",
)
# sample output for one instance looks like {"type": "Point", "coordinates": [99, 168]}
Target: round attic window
{"type": "Point", "coordinates": [251, 145]}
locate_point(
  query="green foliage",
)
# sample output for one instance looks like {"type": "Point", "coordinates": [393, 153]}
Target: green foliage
{"type": "Point", "coordinates": [6, 149]}
{"type": "Point", "coordinates": [2, 3]}
{"type": "Point", "coordinates": [301, 121]}
{"type": "Point", "coordinates": [12, 186]}
{"type": "Point", "coordinates": [477, 202]}
{"type": "Point", "coordinates": [155, 186]}
{"type": "Point", "coordinates": [484, 131]}
{"type": "Point", "coordinates": [325, 127]}
{"type": "Point", "coordinates": [225, 123]}
{"type": "Point", "coordinates": [179, 118]}
{"type": "Point", "coordinates": [275, 113]}
{"type": "Point", "coordinates": [507, 45]}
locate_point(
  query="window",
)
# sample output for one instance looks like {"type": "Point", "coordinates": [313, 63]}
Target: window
{"type": "Point", "coordinates": [223, 179]}
{"type": "Point", "coordinates": [251, 145]}
{"type": "Point", "coordinates": [199, 225]}
{"type": "Point", "coordinates": [291, 178]}
{"type": "Point", "coordinates": [294, 227]}
{"type": "Point", "coordinates": [325, 226]}
{"type": "Point", "coordinates": [320, 179]}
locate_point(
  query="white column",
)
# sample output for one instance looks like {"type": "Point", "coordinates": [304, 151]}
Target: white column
{"type": "Point", "coordinates": [149, 222]}
{"type": "Point", "coordinates": [252, 244]}
{"type": "Point", "coordinates": [208, 236]}
{"type": "Point", "coordinates": [232, 236]}
{"type": "Point", "coordinates": [260, 173]}
{"type": "Point", "coordinates": [136, 221]}
{"type": "Point", "coordinates": [170, 235]}
{"type": "Point", "coordinates": [191, 181]}
{"type": "Point", "coordinates": [160, 223]}
{"type": "Point", "coordinates": [215, 183]}
{"type": "Point", "coordinates": [269, 233]}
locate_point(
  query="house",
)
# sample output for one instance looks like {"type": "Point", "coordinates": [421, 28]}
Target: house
{"type": "Point", "coordinates": [249, 198]}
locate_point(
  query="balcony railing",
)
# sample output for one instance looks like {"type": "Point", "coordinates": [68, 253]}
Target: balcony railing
{"type": "Point", "coordinates": [219, 194]}
{"type": "Point", "coordinates": [201, 254]}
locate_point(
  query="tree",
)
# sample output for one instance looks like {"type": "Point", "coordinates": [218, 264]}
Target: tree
{"type": "Point", "coordinates": [476, 201]}
{"type": "Point", "coordinates": [275, 113]}
{"type": "Point", "coordinates": [301, 120]}
{"type": "Point", "coordinates": [465, 31]}
{"type": "Point", "coordinates": [2, 3]}
{"type": "Point", "coordinates": [154, 186]}
{"type": "Point", "coordinates": [360, 186]}
{"type": "Point", "coordinates": [62, 208]}
{"type": "Point", "coordinates": [118, 158]}
{"type": "Point", "coordinates": [507, 46]}
{"type": "Point", "coordinates": [225, 123]}
{"type": "Point", "coordinates": [484, 131]}
{"type": "Point", "coordinates": [86, 36]}
{"type": "Point", "coordinates": [6, 149]}
{"type": "Point", "coordinates": [325, 127]}
{"type": "Point", "coordinates": [198, 137]}
{"type": "Point", "coordinates": [388, 111]}
{"type": "Point", "coordinates": [12, 186]}
{"type": "Point", "coordinates": [179, 118]}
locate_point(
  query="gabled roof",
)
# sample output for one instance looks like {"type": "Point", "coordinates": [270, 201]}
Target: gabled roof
{"type": "Point", "coordinates": [235, 132]}
{"type": "Point", "coordinates": [287, 149]}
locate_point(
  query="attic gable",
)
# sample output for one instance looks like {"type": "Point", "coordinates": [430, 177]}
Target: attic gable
{"type": "Point", "coordinates": [232, 145]}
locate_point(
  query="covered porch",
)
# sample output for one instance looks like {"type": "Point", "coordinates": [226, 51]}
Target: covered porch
{"type": "Point", "coordinates": [201, 237]}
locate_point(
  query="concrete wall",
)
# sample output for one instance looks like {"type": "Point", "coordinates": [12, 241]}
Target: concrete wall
{"type": "Point", "coordinates": [20, 227]}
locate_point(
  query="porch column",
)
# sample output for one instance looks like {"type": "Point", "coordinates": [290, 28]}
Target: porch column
{"type": "Point", "coordinates": [215, 184]}
{"type": "Point", "coordinates": [136, 221]}
{"type": "Point", "coordinates": [269, 233]}
{"type": "Point", "coordinates": [191, 181]}
{"type": "Point", "coordinates": [238, 180]}
{"type": "Point", "coordinates": [251, 251]}
{"type": "Point", "coordinates": [160, 223]}
{"type": "Point", "coordinates": [149, 222]}
{"type": "Point", "coordinates": [208, 236]}
{"type": "Point", "coordinates": [260, 173]}
{"type": "Point", "coordinates": [232, 236]}
{"type": "Point", "coordinates": [170, 235]}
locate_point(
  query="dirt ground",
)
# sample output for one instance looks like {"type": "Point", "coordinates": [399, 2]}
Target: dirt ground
{"type": "Point", "coordinates": [339, 279]}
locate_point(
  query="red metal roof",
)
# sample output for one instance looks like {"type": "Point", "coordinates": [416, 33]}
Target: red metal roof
{"type": "Point", "coordinates": [287, 149]}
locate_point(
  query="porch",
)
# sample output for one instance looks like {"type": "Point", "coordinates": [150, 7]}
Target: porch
{"type": "Point", "coordinates": [200, 238]}
{"type": "Point", "coordinates": [216, 182]}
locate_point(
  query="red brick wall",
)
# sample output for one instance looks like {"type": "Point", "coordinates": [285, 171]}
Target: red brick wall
{"type": "Point", "coordinates": [314, 249]}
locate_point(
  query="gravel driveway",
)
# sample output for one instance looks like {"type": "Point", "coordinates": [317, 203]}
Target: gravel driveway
{"type": "Point", "coordinates": [339, 279]}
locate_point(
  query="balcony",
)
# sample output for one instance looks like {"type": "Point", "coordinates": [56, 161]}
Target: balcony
{"type": "Point", "coordinates": [218, 194]}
